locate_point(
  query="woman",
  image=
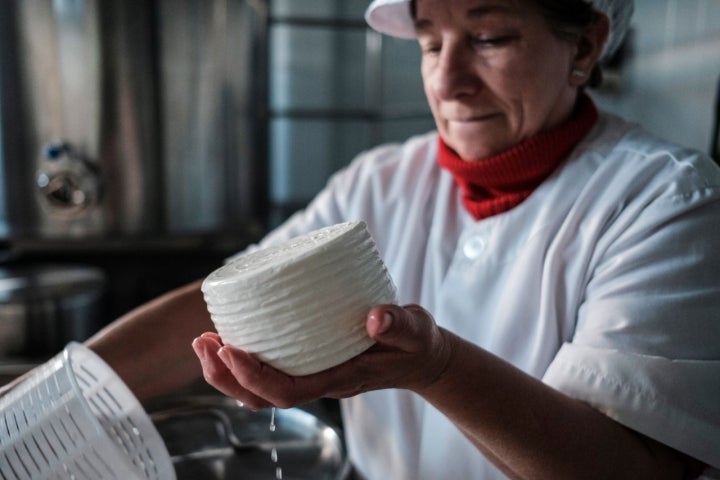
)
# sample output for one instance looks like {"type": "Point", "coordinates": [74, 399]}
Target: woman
{"type": "Point", "coordinates": [559, 267]}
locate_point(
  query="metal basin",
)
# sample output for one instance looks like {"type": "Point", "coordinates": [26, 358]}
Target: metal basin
{"type": "Point", "coordinates": [211, 437]}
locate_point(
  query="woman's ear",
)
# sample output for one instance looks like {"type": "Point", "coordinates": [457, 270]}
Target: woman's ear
{"type": "Point", "coordinates": [589, 48]}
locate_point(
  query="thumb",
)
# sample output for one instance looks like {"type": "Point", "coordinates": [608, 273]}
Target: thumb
{"type": "Point", "coordinates": [399, 327]}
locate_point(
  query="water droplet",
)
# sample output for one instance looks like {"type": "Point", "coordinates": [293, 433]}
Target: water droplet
{"type": "Point", "coordinates": [274, 453]}
{"type": "Point", "coordinates": [272, 420]}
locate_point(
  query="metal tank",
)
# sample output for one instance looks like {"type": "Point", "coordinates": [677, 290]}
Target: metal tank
{"type": "Point", "coordinates": [130, 117]}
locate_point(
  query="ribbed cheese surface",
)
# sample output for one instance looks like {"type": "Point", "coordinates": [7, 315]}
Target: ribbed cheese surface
{"type": "Point", "coordinates": [301, 306]}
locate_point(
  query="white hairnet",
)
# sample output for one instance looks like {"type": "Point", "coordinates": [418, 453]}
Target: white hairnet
{"type": "Point", "coordinates": [619, 12]}
{"type": "Point", "coordinates": [392, 17]}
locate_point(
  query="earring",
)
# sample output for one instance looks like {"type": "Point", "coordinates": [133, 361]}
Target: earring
{"type": "Point", "coordinates": [577, 72]}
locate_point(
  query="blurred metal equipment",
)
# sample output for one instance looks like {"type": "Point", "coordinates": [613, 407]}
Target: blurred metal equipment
{"type": "Point", "coordinates": [129, 117]}
{"type": "Point", "coordinates": [211, 437]}
{"type": "Point", "coordinates": [715, 130]}
{"type": "Point", "coordinates": [43, 307]}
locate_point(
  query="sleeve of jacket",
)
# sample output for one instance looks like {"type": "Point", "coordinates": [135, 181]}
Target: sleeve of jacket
{"type": "Point", "coordinates": [646, 350]}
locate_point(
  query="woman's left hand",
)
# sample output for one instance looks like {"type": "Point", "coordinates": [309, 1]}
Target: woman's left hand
{"type": "Point", "coordinates": [411, 352]}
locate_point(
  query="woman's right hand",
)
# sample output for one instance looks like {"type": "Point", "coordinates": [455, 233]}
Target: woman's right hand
{"type": "Point", "coordinates": [411, 352]}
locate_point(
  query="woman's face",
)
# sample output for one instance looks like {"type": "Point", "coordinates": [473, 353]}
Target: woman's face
{"type": "Point", "coordinates": [494, 73]}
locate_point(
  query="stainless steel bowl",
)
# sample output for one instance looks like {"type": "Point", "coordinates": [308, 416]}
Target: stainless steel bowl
{"type": "Point", "coordinates": [211, 437]}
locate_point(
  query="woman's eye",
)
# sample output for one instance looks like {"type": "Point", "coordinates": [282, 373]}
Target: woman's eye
{"type": "Point", "coordinates": [489, 42]}
{"type": "Point", "coordinates": [430, 49]}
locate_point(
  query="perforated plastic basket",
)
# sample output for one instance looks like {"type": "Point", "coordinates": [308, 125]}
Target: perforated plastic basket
{"type": "Point", "coordinates": [74, 418]}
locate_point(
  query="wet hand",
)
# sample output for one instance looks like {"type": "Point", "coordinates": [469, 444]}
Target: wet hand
{"type": "Point", "coordinates": [411, 352]}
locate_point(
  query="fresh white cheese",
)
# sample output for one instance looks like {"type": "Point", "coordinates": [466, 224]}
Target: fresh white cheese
{"type": "Point", "coordinates": [301, 306]}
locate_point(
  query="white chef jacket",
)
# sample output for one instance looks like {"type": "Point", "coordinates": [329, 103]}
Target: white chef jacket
{"type": "Point", "coordinates": [604, 283]}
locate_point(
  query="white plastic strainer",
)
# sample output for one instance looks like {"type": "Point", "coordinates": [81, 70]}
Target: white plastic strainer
{"type": "Point", "coordinates": [74, 418]}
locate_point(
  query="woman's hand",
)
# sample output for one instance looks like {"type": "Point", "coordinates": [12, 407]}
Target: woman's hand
{"type": "Point", "coordinates": [411, 352]}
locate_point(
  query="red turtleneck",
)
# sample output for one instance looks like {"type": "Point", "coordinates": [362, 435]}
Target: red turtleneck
{"type": "Point", "coordinates": [496, 184]}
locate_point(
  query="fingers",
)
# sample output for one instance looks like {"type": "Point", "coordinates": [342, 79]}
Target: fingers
{"type": "Point", "coordinates": [406, 328]}
{"type": "Point", "coordinates": [241, 376]}
{"type": "Point", "coordinates": [217, 373]}
{"type": "Point", "coordinates": [265, 382]}
{"type": "Point", "coordinates": [258, 378]}
{"type": "Point", "coordinates": [214, 336]}
{"type": "Point", "coordinates": [412, 331]}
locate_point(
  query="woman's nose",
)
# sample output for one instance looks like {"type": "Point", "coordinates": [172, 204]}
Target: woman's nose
{"type": "Point", "coordinates": [453, 75]}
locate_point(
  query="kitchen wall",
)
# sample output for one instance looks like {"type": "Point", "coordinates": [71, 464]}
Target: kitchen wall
{"type": "Point", "coordinates": [669, 83]}
{"type": "Point", "coordinates": [336, 88]}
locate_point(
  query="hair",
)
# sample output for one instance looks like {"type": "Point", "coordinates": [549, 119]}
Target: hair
{"type": "Point", "coordinates": [568, 19]}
